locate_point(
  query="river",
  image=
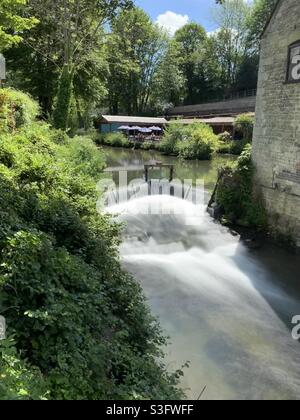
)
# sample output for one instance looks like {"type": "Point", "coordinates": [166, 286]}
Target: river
{"type": "Point", "coordinates": [227, 309]}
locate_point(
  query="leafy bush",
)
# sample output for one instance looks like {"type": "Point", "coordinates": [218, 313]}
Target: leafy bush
{"type": "Point", "coordinates": [18, 381]}
{"type": "Point", "coordinates": [225, 148]}
{"type": "Point", "coordinates": [238, 146]}
{"type": "Point", "coordinates": [80, 323]}
{"type": "Point", "coordinates": [225, 137]}
{"type": "Point", "coordinates": [235, 193]}
{"type": "Point", "coordinates": [82, 156]}
{"type": "Point", "coordinates": [234, 147]}
{"type": "Point", "coordinates": [195, 141]}
{"type": "Point", "coordinates": [173, 136]}
{"type": "Point", "coordinates": [148, 145]}
{"type": "Point", "coordinates": [16, 109]}
{"type": "Point", "coordinates": [244, 124]}
{"type": "Point", "coordinates": [115, 139]}
{"type": "Point", "coordinates": [201, 144]}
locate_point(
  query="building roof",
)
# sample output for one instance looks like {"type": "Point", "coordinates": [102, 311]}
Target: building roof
{"type": "Point", "coordinates": [122, 119]}
{"type": "Point", "coordinates": [213, 121]}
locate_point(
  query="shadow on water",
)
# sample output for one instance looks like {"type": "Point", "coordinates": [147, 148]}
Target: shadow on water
{"type": "Point", "coordinates": [276, 277]}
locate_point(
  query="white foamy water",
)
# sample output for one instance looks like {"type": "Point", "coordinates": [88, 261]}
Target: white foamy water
{"type": "Point", "coordinates": [220, 305]}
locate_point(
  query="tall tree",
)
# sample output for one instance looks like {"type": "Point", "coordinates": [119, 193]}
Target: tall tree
{"type": "Point", "coordinates": [135, 48]}
{"type": "Point", "coordinates": [191, 40]}
{"type": "Point", "coordinates": [257, 20]}
{"type": "Point", "coordinates": [12, 22]}
{"type": "Point", "coordinates": [79, 26]}
{"type": "Point", "coordinates": [169, 86]}
{"type": "Point", "coordinates": [230, 40]}
{"type": "Point", "coordinates": [64, 44]}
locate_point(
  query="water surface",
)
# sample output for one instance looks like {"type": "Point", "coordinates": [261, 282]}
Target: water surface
{"type": "Point", "coordinates": [227, 309]}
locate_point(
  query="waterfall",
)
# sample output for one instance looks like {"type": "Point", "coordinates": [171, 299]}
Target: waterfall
{"type": "Point", "coordinates": [222, 306]}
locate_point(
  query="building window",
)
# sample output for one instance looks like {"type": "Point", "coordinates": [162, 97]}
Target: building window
{"type": "Point", "coordinates": [293, 74]}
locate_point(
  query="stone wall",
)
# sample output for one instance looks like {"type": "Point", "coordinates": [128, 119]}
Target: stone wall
{"type": "Point", "coordinates": [276, 144]}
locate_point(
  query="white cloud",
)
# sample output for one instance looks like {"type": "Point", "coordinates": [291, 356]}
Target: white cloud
{"type": "Point", "coordinates": [214, 32]}
{"type": "Point", "coordinates": [172, 21]}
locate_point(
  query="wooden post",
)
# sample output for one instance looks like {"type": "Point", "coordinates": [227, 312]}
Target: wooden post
{"type": "Point", "coordinates": [171, 173]}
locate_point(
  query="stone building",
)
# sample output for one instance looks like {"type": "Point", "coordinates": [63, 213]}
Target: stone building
{"type": "Point", "coordinates": [276, 144]}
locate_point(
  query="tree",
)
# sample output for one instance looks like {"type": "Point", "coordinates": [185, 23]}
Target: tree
{"type": "Point", "coordinates": [169, 83]}
{"type": "Point", "coordinates": [230, 40]}
{"type": "Point", "coordinates": [12, 23]}
{"type": "Point", "coordinates": [257, 20]}
{"type": "Point", "coordinates": [135, 49]}
{"type": "Point", "coordinates": [85, 19]}
{"type": "Point", "coordinates": [62, 45]}
{"type": "Point", "coordinates": [191, 40]}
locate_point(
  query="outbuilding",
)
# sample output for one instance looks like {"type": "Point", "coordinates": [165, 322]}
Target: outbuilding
{"type": "Point", "coordinates": [110, 123]}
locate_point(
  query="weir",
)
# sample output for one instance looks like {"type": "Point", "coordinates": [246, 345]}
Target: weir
{"type": "Point", "coordinates": [226, 309]}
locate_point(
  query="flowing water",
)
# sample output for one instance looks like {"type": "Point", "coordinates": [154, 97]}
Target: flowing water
{"type": "Point", "coordinates": [226, 309]}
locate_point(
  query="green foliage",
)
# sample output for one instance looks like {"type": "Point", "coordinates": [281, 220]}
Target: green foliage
{"type": "Point", "coordinates": [81, 155]}
{"type": "Point", "coordinates": [169, 81]}
{"type": "Point", "coordinates": [13, 23]}
{"type": "Point", "coordinates": [115, 139]}
{"type": "Point", "coordinates": [238, 146]}
{"type": "Point", "coordinates": [195, 141]}
{"type": "Point", "coordinates": [236, 195]}
{"type": "Point", "coordinates": [36, 64]}
{"type": "Point", "coordinates": [81, 326]}
{"type": "Point", "coordinates": [228, 146]}
{"type": "Point", "coordinates": [149, 145]}
{"type": "Point", "coordinates": [260, 13]}
{"type": "Point", "coordinates": [233, 147]}
{"type": "Point", "coordinates": [61, 113]}
{"type": "Point", "coordinates": [173, 135]}
{"type": "Point", "coordinates": [201, 144]}
{"type": "Point", "coordinates": [225, 137]}
{"type": "Point", "coordinates": [191, 41]}
{"type": "Point", "coordinates": [18, 381]}
{"type": "Point", "coordinates": [135, 49]}
{"type": "Point", "coordinates": [244, 124]}
{"type": "Point", "coordinates": [16, 109]}
{"type": "Point", "coordinates": [136, 68]}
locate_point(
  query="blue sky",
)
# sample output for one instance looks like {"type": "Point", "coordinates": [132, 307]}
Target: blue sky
{"type": "Point", "coordinates": [181, 12]}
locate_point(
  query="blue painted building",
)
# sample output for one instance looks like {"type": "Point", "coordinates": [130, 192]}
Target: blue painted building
{"type": "Point", "coordinates": [111, 123]}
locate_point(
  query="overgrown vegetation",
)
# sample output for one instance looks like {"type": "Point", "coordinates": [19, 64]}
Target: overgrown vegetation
{"type": "Point", "coordinates": [80, 325]}
{"type": "Point", "coordinates": [195, 141]}
{"type": "Point", "coordinates": [236, 195]}
{"type": "Point", "coordinates": [244, 125]}
{"type": "Point", "coordinates": [114, 139]}
{"type": "Point", "coordinates": [16, 110]}
{"type": "Point", "coordinates": [118, 139]}
{"type": "Point", "coordinates": [232, 147]}
{"type": "Point", "coordinates": [17, 380]}
{"type": "Point", "coordinates": [136, 68]}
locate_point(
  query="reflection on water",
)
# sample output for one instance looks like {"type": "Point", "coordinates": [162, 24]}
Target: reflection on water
{"type": "Point", "coordinates": [226, 309]}
{"type": "Point", "coordinates": [194, 170]}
